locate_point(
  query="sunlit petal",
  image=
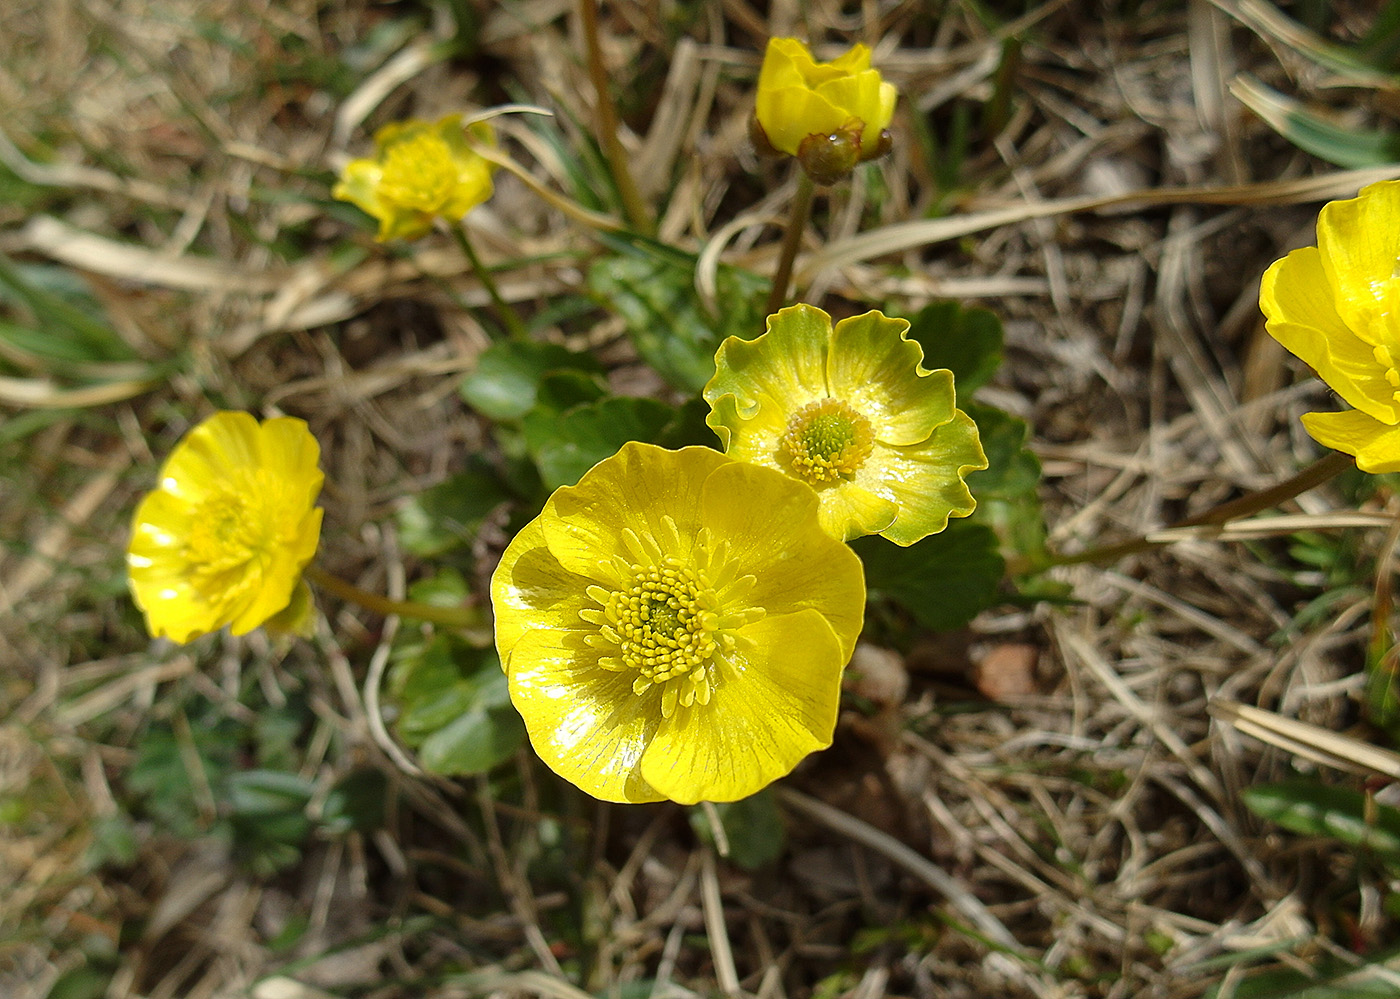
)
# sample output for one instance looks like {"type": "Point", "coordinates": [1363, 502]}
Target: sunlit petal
{"type": "Point", "coordinates": [775, 701]}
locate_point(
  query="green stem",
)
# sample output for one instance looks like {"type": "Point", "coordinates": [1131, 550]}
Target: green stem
{"type": "Point", "coordinates": [1316, 474]}
{"type": "Point", "coordinates": [508, 315]}
{"type": "Point", "coordinates": [632, 202]}
{"type": "Point", "coordinates": [451, 617]}
{"type": "Point", "coordinates": [792, 239]}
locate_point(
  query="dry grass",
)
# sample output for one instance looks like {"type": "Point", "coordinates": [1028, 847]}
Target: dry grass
{"type": "Point", "coordinates": [1081, 837]}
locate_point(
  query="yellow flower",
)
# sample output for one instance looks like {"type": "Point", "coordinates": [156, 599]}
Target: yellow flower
{"type": "Point", "coordinates": [799, 97]}
{"type": "Point", "coordinates": [851, 412]}
{"type": "Point", "coordinates": [675, 626]}
{"type": "Point", "coordinates": [1337, 306]}
{"type": "Point", "coordinates": [420, 171]}
{"type": "Point", "coordinates": [225, 536]}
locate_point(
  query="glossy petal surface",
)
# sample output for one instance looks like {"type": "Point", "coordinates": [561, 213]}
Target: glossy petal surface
{"type": "Point", "coordinates": [768, 711]}
{"type": "Point", "coordinates": [1337, 307]}
{"type": "Point", "coordinates": [850, 411]}
{"type": "Point", "coordinates": [1376, 445]}
{"type": "Point", "coordinates": [639, 620]}
{"type": "Point", "coordinates": [224, 537]}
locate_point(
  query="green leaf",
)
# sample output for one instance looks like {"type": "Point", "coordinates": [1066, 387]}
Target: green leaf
{"type": "Point", "coordinates": [83, 982]}
{"type": "Point", "coordinates": [653, 290]}
{"type": "Point", "coordinates": [1340, 145]}
{"type": "Point", "coordinates": [475, 741]}
{"type": "Point", "coordinates": [1314, 809]}
{"type": "Point", "coordinates": [65, 310]}
{"type": "Point", "coordinates": [357, 801]}
{"type": "Point", "coordinates": [967, 342]}
{"type": "Point", "coordinates": [1329, 979]}
{"type": "Point", "coordinates": [944, 581]}
{"type": "Point", "coordinates": [565, 445]}
{"type": "Point", "coordinates": [1007, 491]}
{"type": "Point", "coordinates": [455, 706]}
{"type": "Point", "coordinates": [450, 513]}
{"type": "Point", "coordinates": [753, 826]}
{"type": "Point", "coordinates": [507, 378]}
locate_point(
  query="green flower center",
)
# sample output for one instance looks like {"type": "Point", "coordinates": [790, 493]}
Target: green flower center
{"type": "Point", "coordinates": [827, 440]}
{"type": "Point", "coordinates": [674, 618]}
{"type": "Point", "coordinates": [418, 172]}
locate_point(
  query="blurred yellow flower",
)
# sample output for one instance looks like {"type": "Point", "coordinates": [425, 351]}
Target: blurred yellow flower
{"type": "Point", "coordinates": [675, 626]}
{"type": "Point", "coordinates": [420, 171]}
{"type": "Point", "coordinates": [851, 412]}
{"type": "Point", "coordinates": [842, 100]}
{"type": "Point", "coordinates": [1337, 306]}
{"type": "Point", "coordinates": [224, 537]}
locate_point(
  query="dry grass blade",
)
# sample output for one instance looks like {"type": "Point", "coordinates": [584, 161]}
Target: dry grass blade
{"type": "Point", "coordinates": [1311, 742]}
{"type": "Point", "coordinates": [911, 235]}
{"type": "Point", "coordinates": [966, 904]}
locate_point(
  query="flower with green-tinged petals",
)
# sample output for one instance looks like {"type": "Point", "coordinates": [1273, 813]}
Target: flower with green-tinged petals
{"type": "Point", "coordinates": [1336, 305]}
{"type": "Point", "coordinates": [850, 411]}
{"type": "Point", "coordinates": [420, 171]}
{"type": "Point", "coordinates": [231, 524]}
{"type": "Point", "coordinates": [842, 102]}
{"type": "Point", "coordinates": [676, 625]}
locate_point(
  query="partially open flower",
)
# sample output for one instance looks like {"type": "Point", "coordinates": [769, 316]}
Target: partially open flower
{"type": "Point", "coordinates": [676, 625]}
{"type": "Point", "coordinates": [1337, 306]}
{"type": "Point", "coordinates": [833, 114]}
{"type": "Point", "coordinates": [420, 171]}
{"type": "Point", "coordinates": [850, 411]}
{"type": "Point", "coordinates": [224, 537]}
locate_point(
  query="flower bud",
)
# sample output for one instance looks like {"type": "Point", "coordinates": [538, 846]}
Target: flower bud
{"type": "Point", "coordinates": [828, 158]}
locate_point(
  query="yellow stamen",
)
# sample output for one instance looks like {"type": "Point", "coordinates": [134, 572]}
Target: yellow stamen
{"type": "Point", "coordinates": [827, 440]}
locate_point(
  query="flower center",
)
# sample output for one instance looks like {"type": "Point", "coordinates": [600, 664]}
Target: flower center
{"type": "Point", "coordinates": [418, 172]}
{"type": "Point", "coordinates": [827, 440]}
{"type": "Point", "coordinates": [227, 533]}
{"type": "Point", "coordinates": [673, 620]}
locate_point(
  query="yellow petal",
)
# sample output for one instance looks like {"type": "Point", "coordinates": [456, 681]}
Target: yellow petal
{"type": "Point", "coordinates": [636, 490]}
{"type": "Point", "coordinates": [790, 114]}
{"type": "Point", "coordinates": [1376, 445]}
{"type": "Point", "coordinates": [1359, 240]}
{"type": "Point", "coordinates": [1298, 304]}
{"type": "Point", "coordinates": [292, 455]}
{"type": "Point", "coordinates": [770, 523]}
{"type": "Point", "coordinates": [785, 62]}
{"type": "Point", "coordinates": [774, 702]}
{"type": "Point", "coordinates": [584, 721]}
{"type": "Point", "coordinates": [202, 460]}
{"type": "Point", "coordinates": [771, 376]}
{"type": "Point", "coordinates": [926, 480]}
{"type": "Point", "coordinates": [852, 511]}
{"type": "Point", "coordinates": [276, 580]}
{"type": "Point", "coordinates": [530, 589]}
{"type": "Point", "coordinates": [877, 371]}
{"type": "Point", "coordinates": [357, 185]}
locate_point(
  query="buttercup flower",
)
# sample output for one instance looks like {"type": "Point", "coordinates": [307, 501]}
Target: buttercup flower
{"type": "Point", "coordinates": [851, 412]}
{"type": "Point", "coordinates": [1337, 306]}
{"type": "Point", "coordinates": [225, 536]}
{"type": "Point", "coordinates": [832, 114]}
{"type": "Point", "coordinates": [420, 171]}
{"type": "Point", "coordinates": [675, 626]}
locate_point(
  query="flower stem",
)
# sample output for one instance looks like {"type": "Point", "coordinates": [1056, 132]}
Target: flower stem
{"type": "Point", "coordinates": [508, 315]}
{"type": "Point", "coordinates": [451, 617]}
{"type": "Point", "coordinates": [1316, 474]}
{"type": "Point", "coordinates": [632, 203]}
{"type": "Point", "coordinates": [797, 221]}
